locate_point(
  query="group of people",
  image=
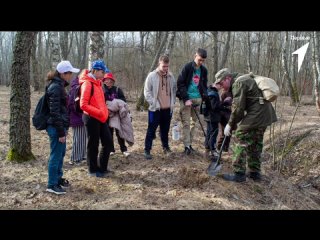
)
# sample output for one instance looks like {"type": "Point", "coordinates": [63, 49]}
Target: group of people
{"type": "Point", "coordinates": [237, 109]}
{"type": "Point", "coordinates": [231, 102]}
{"type": "Point", "coordinates": [89, 127]}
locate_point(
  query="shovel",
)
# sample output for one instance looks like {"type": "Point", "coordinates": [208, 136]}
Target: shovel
{"type": "Point", "coordinates": [195, 111]}
{"type": "Point", "coordinates": [215, 166]}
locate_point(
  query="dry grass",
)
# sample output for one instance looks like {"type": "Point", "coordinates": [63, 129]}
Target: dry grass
{"type": "Point", "coordinates": [166, 182]}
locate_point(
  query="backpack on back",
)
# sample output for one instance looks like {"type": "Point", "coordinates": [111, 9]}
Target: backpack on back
{"type": "Point", "coordinates": [268, 86]}
{"type": "Point", "coordinates": [75, 99]}
{"type": "Point", "coordinates": [41, 113]}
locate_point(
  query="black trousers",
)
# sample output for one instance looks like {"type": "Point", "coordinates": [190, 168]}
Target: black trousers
{"type": "Point", "coordinates": [160, 117]}
{"type": "Point", "coordinates": [97, 131]}
{"type": "Point", "coordinates": [121, 141]}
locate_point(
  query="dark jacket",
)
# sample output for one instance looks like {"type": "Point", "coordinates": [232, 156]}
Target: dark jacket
{"type": "Point", "coordinates": [211, 111]}
{"type": "Point", "coordinates": [112, 93]}
{"type": "Point", "coordinates": [57, 98]}
{"type": "Point", "coordinates": [185, 78]}
{"type": "Point", "coordinates": [75, 117]}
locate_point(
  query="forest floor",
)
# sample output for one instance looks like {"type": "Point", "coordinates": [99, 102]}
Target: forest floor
{"type": "Point", "coordinates": [171, 182]}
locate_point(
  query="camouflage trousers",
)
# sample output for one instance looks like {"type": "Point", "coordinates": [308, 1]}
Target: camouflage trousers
{"type": "Point", "coordinates": [247, 148]}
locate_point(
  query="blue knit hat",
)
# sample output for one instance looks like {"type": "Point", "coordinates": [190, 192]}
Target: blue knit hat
{"type": "Point", "coordinates": [100, 65]}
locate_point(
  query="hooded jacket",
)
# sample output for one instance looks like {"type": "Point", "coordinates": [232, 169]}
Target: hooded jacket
{"type": "Point", "coordinates": [57, 98]}
{"type": "Point", "coordinates": [97, 107]}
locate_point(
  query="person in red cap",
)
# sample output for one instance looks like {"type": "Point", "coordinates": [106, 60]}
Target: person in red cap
{"type": "Point", "coordinates": [113, 92]}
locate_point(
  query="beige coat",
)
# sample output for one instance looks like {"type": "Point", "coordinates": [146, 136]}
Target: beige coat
{"type": "Point", "coordinates": [119, 118]}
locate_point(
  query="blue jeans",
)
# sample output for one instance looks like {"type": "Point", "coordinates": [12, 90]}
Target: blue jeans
{"type": "Point", "coordinates": [57, 152]}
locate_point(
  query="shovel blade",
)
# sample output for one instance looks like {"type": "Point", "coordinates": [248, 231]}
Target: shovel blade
{"type": "Point", "coordinates": [214, 168]}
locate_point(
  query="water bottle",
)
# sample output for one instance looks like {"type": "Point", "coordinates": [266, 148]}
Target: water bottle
{"type": "Point", "coordinates": [175, 132]}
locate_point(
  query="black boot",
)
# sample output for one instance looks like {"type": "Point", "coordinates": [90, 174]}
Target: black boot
{"type": "Point", "coordinates": [255, 176]}
{"type": "Point", "coordinates": [237, 177]}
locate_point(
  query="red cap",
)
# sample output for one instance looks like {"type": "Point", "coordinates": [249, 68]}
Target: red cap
{"type": "Point", "coordinates": [109, 75]}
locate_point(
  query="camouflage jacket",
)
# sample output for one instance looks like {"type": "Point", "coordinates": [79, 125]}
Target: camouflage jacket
{"type": "Point", "coordinates": [247, 109]}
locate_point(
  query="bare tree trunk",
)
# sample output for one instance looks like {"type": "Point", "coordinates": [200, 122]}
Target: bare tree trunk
{"type": "Point", "coordinates": [65, 44]}
{"type": "Point", "coordinates": [248, 42]}
{"type": "Point", "coordinates": [292, 91]}
{"type": "Point", "coordinates": [170, 44]}
{"type": "Point", "coordinates": [315, 68]}
{"type": "Point", "coordinates": [258, 52]}
{"type": "Point", "coordinates": [19, 133]}
{"type": "Point", "coordinates": [55, 50]}
{"type": "Point", "coordinates": [141, 103]}
{"type": "Point", "coordinates": [225, 52]}
{"type": "Point", "coordinates": [96, 47]}
{"type": "Point", "coordinates": [35, 79]}
{"type": "Point", "coordinates": [215, 56]}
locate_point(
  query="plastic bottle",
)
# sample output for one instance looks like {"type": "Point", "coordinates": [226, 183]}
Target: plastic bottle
{"type": "Point", "coordinates": [175, 132]}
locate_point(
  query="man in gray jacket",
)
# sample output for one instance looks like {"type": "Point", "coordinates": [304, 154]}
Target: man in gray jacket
{"type": "Point", "coordinates": [160, 93]}
{"type": "Point", "coordinates": [254, 114]}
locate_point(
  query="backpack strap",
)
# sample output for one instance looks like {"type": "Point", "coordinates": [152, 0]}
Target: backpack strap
{"type": "Point", "coordinates": [91, 93]}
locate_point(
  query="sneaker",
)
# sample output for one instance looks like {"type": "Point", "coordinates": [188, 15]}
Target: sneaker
{"type": "Point", "coordinates": [191, 148]}
{"type": "Point", "coordinates": [107, 173]}
{"type": "Point", "coordinates": [56, 190]}
{"type": "Point", "coordinates": [167, 150]}
{"type": "Point", "coordinates": [64, 182]}
{"type": "Point", "coordinates": [126, 153]}
{"type": "Point", "coordinates": [187, 150]}
{"type": "Point", "coordinates": [112, 153]}
{"type": "Point", "coordinates": [91, 174]}
{"type": "Point", "coordinates": [255, 176]}
{"type": "Point", "coordinates": [147, 155]}
{"type": "Point", "coordinates": [71, 162]}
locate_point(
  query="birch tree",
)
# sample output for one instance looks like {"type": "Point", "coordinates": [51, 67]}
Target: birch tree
{"type": "Point", "coordinates": [55, 49]}
{"type": "Point", "coordinates": [96, 47]}
{"type": "Point", "coordinates": [316, 68]}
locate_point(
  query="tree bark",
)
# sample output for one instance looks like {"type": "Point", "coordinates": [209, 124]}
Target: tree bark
{"type": "Point", "coordinates": [170, 44]}
{"type": "Point", "coordinates": [315, 68]}
{"type": "Point", "coordinates": [292, 91]}
{"type": "Point", "coordinates": [55, 50]}
{"type": "Point", "coordinates": [96, 47]}
{"type": "Point", "coordinates": [225, 52]}
{"type": "Point", "coordinates": [215, 56]}
{"type": "Point", "coordinates": [19, 133]}
{"type": "Point", "coordinates": [248, 42]}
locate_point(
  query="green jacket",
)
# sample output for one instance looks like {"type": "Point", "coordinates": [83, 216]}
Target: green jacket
{"type": "Point", "coordinates": [246, 107]}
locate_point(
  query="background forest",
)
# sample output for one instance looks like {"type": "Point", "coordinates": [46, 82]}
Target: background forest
{"type": "Point", "coordinates": [291, 156]}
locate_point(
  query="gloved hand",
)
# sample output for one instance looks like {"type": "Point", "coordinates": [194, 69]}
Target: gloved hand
{"type": "Point", "coordinates": [227, 130]}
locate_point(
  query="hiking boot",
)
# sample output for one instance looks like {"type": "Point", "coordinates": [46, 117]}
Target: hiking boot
{"type": "Point", "coordinates": [147, 155]}
{"type": "Point", "coordinates": [104, 174]}
{"type": "Point", "coordinates": [255, 176]}
{"type": "Point", "coordinates": [187, 150]}
{"type": "Point", "coordinates": [237, 177]}
{"type": "Point", "coordinates": [64, 182]}
{"type": "Point", "coordinates": [56, 190]}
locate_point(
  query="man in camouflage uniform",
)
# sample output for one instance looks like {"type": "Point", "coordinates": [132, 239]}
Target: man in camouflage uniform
{"type": "Point", "coordinates": [253, 114]}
